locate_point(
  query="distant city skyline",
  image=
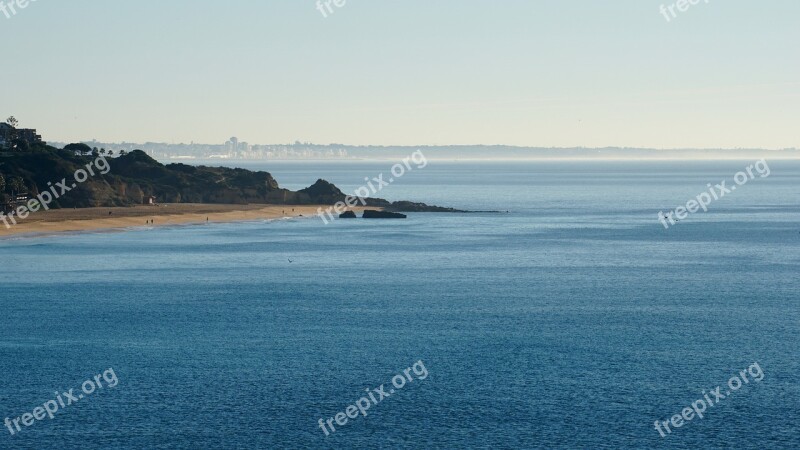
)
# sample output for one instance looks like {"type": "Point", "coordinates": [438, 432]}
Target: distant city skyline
{"type": "Point", "coordinates": [234, 149]}
{"type": "Point", "coordinates": [519, 72]}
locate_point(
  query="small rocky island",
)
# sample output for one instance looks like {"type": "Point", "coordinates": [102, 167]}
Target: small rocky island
{"type": "Point", "coordinates": [373, 214]}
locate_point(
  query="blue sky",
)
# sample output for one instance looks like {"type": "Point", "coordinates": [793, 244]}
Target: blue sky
{"type": "Point", "coordinates": [520, 72]}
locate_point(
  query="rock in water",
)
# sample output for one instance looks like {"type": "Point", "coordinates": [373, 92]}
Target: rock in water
{"type": "Point", "coordinates": [372, 214]}
{"type": "Point", "coordinates": [348, 215]}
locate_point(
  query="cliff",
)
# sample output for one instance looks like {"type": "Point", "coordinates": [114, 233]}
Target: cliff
{"type": "Point", "coordinates": [130, 179]}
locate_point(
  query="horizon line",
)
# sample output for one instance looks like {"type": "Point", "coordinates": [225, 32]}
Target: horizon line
{"type": "Point", "coordinates": [531, 147]}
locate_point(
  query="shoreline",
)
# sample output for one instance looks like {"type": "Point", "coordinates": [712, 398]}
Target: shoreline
{"type": "Point", "coordinates": [64, 221]}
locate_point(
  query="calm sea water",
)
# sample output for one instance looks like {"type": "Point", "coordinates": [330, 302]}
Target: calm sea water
{"type": "Point", "coordinates": [575, 320]}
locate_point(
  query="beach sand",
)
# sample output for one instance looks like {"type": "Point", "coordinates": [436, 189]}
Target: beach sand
{"type": "Point", "coordinates": [95, 219]}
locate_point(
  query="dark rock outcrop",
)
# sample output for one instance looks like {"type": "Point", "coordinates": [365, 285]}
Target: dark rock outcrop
{"type": "Point", "coordinates": [405, 206]}
{"type": "Point", "coordinates": [373, 214]}
{"type": "Point", "coordinates": [348, 215]}
{"type": "Point", "coordinates": [132, 177]}
{"type": "Point", "coordinates": [323, 189]}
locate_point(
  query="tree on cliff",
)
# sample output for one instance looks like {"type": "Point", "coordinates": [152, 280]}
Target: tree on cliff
{"type": "Point", "coordinates": [80, 149]}
{"type": "Point", "coordinates": [12, 121]}
{"type": "Point", "coordinates": [21, 145]}
{"type": "Point", "coordinates": [17, 185]}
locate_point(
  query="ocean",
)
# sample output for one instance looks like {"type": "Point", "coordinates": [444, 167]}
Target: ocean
{"type": "Point", "coordinates": [571, 318]}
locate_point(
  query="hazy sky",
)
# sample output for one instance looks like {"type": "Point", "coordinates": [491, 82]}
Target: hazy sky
{"type": "Point", "coordinates": [521, 72]}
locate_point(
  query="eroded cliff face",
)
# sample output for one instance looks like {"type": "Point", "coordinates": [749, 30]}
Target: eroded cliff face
{"type": "Point", "coordinates": [128, 180]}
{"type": "Point", "coordinates": [131, 178]}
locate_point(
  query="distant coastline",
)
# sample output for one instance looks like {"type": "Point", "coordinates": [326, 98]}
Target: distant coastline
{"type": "Point", "coordinates": [233, 150]}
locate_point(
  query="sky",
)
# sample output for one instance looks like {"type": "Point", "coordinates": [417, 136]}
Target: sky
{"type": "Point", "coordinates": [545, 73]}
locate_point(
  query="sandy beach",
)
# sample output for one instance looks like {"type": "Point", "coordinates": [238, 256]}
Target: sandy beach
{"type": "Point", "coordinates": [95, 219]}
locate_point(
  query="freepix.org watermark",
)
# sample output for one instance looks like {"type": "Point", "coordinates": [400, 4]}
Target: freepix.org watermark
{"type": "Point", "coordinates": [698, 407]}
{"type": "Point", "coordinates": [62, 400]}
{"type": "Point", "coordinates": [702, 201]}
{"type": "Point", "coordinates": [681, 5]}
{"type": "Point", "coordinates": [55, 191]}
{"type": "Point", "coordinates": [374, 186]}
{"type": "Point", "coordinates": [325, 8]}
{"type": "Point", "coordinates": [11, 7]}
{"type": "Point", "coordinates": [373, 397]}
